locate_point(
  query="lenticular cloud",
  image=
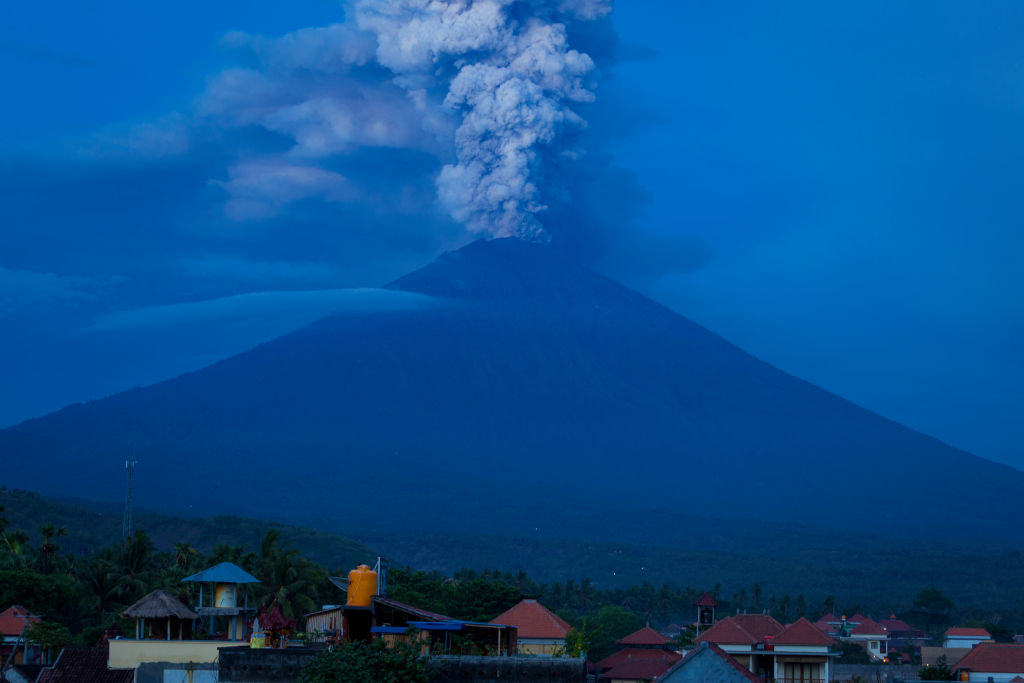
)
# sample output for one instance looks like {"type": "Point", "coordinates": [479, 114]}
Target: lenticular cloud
{"type": "Point", "coordinates": [485, 85]}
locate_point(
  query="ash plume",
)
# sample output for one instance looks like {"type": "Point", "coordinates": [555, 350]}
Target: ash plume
{"type": "Point", "coordinates": [483, 85]}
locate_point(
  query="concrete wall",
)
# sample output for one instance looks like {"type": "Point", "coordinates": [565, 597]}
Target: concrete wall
{"type": "Point", "coordinates": [129, 654]}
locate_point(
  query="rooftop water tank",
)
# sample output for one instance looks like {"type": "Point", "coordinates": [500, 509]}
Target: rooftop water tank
{"type": "Point", "coordinates": [362, 586]}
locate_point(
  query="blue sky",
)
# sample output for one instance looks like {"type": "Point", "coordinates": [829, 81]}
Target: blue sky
{"type": "Point", "coordinates": [836, 189]}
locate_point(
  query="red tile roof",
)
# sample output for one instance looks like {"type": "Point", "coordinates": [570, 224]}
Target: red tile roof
{"type": "Point", "coordinates": [533, 620]}
{"type": "Point", "coordinates": [633, 669]}
{"type": "Point", "coordinates": [824, 627]}
{"type": "Point", "coordinates": [645, 636]}
{"type": "Point", "coordinates": [972, 632]}
{"type": "Point", "coordinates": [13, 619]}
{"type": "Point", "coordinates": [707, 600]}
{"type": "Point", "coordinates": [640, 670]}
{"type": "Point", "coordinates": [84, 665]}
{"type": "Point", "coordinates": [758, 625]}
{"type": "Point", "coordinates": [727, 632]}
{"type": "Point", "coordinates": [1017, 679]}
{"type": "Point", "coordinates": [997, 658]}
{"type": "Point", "coordinates": [868, 628]}
{"type": "Point", "coordinates": [892, 624]}
{"type": "Point", "coordinates": [802, 632]}
{"type": "Point", "coordinates": [633, 654]}
{"type": "Point", "coordinates": [857, 618]}
{"type": "Point", "coordinates": [830, 617]}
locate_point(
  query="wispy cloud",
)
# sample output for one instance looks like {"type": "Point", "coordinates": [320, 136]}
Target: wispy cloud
{"type": "Point", "coordinates": [260, 189]}
{"type": "Point", "coordinates": [39, 291]}
{"type": "Point", "coordinates": [231, 268]}
{"type": "Point", "coordinates": [285, 306]}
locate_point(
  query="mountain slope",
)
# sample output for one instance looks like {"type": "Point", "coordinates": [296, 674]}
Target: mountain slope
{"type": "Point", "coordinates": [535, 394]}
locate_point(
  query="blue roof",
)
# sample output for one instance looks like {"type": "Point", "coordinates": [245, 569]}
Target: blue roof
{"type": "Point", "coordinates": [451, 625]}
{"type": "Point", "coordinates": [225, 572]}
{"type": "Point", "coordinates": [389, 629]}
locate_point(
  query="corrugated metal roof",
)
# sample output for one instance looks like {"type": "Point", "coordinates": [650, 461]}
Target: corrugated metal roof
{"type": "Point", "coordinates": [225, 572]}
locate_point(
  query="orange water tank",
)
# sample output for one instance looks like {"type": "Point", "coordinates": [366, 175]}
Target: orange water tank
{"type": "Point", "coordinates": [362, 586]}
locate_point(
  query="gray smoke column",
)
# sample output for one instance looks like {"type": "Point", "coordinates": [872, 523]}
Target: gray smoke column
{"type": "Point", "coordinates": [505, 70]}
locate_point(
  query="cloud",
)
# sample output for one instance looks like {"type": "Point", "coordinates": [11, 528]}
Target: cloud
{"type": "Point", "coordinates": [237, 269]}
{"type": "Point", "coordinates": [22, 290]}
{"type": "Point", "coordinates": [261, 189]}
{"type": "Point", "coordinates": [282, 306]}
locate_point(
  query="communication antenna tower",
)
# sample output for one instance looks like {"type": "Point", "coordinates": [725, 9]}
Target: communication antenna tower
{"type": "Point", "coordinates": [128, 525]}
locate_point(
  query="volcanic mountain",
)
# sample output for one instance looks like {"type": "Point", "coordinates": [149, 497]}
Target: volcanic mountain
{"type": "Point", "coordinates": [533, 391]}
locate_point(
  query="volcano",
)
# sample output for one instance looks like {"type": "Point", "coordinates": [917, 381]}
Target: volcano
{"type": "Point", "coordinates": [533, 391]}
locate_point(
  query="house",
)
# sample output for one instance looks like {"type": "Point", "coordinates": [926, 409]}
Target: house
{"type": "Point", "coordinates": [965, 637]}
{"type": "Point", "coordinates": [540, 631]}
{"type": "Point", "coordinates": [324, 625]}
{"type": "Point", "coordinates": [997, 662]}
{"type": "Point", "coordinates": [13, 622]}
{"type": "Point", "coordinates": [708, 662]}
{"type": "Point", "coordinates": [645, 655]}
{"type": "Point", "coordinates": [767, 649]}
{"type": "Point", "coordinates": [902, 635]}
{"type": "Point", "coordinates": [872, 637]}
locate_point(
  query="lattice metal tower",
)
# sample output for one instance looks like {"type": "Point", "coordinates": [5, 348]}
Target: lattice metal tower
{"type": "Point", "coordinates": [128, 525]}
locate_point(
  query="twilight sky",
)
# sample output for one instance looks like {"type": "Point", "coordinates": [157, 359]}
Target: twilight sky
{"type": "Point", "coordinates": [836, 189]}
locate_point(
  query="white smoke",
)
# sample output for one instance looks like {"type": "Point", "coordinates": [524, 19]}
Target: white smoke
{"type": "Point", "coordinates": [483, 84]}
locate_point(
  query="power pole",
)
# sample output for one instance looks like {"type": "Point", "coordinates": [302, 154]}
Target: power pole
{"type": "Point", "coordinates": [128, 525]}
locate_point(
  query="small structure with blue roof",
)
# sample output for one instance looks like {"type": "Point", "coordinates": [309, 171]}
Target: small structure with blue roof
{"type": "Point", "coordinates": [225, 579]}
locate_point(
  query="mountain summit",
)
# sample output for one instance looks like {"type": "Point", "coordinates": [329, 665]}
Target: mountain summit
{"type": "Point", "coordinates": [533, 388]}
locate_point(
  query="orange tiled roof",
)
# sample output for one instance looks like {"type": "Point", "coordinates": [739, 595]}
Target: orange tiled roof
{"type": "Point", "coordinates": [707, 600]}
{"type": "Point", "coordinates": [533, 620]}
{"type": "Point", "coordinates": [802, 632]}
{"type": "Point", "coordinates": [972, 632]}
{"type": "Point", "coordinates": [12, 620]}
{"type": "Point", "coordinates": [645, 636]}
{"type": "Point", "coordinates": [999, 658]}
{"type": "Point", "coordinates": [636, 654]}
{"type": "Point", "coordinates": [869, 628]}
{"type": "Point", "coordinates": [758, 625]}
{"type": "Point", "coordinates": [727, 632]}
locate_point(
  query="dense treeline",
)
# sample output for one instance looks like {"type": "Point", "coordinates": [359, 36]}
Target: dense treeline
{"type": "Point", "coordinates": [87, 592]}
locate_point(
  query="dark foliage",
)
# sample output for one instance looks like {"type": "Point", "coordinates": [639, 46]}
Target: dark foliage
{"type": "Point", "coordinates": [366, 663]}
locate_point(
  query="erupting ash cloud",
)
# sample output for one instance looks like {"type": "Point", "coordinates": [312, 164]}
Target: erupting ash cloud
{"type": "Point", "coordinates": [485, 85]}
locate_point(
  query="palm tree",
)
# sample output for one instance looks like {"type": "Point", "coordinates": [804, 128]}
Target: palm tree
{"type": "Point", "coordinates": [102, 579]}
{"type": "Point", "coordinates": [135, 554]}
{"type": "Point", "coordinates": [48, 549]}
{"type": "Point", "coordinates": [14, 544]}
{"type": "Point", "coordinates": [286, 578]}
{"type": "Point", "coordinates": [183, 555]}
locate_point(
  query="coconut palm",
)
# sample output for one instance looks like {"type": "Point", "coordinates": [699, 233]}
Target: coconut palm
{"type": "Point", "coordinates": [48, 549]}
{"type": "Point", "coordinates": [134, 559]}
{"type": "Point", "coordinates": [15, 547]}
{"type": "Point", "coordinates": [286, 578]}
